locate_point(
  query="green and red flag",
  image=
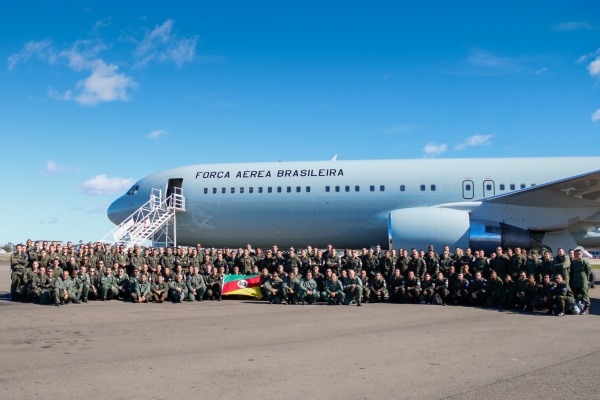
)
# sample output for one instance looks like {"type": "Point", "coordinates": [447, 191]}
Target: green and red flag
{"type": "Point", "coordinates": [242, 285]}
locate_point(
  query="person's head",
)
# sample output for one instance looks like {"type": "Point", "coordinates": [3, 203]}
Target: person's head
{"type": "Point", "coordinates": [108, 270]}
{"type": "Point", "coordinates": [378, 275]}
{"type": "Point", "coordinates": [179, 277]}
{"type": "Point", "coordinates": [275, 275]}
{"type": "Point", "coordinates": [363, 273]}
{"type": "Point", "coordinates": [65, 274]}
{"type": "Point", "coordinates": [560, 252]}
{"type": "Point", "coordinates": [397, 272]}
{"type": "Point", "coordinates": [547, 278]}
{"type": "Point", "coordinates": [493, 274]}
{"type": "Point", "coordinates": [351, 273]}
{"type": "Point", "coordinates": [440, 275]}
{"type": "Point", "coordinates": [460, 276]}
{"type": "Point", "coordinates": [160, 279]}
{"type": "Point", "coordinates": [578, 254]}
{"type": "Point", "coordinates": [50, 271]}
{"type": "Point", "coordinates": [333, 276]}
{"type": "Point", "coordinates": [144, 278]}
{"type": "Point", "coordinates": [42, 271]}
{"type": "Point", "coordinates": [427, 276]}
{"type": "Point", "coordinates": [308, 274]}
{"type": "Point", "coordinates": [478, 275]}
{"type": "Point", "coordinates": [411, 274]}
{"type": "Point", "coordinates": [558, 278]}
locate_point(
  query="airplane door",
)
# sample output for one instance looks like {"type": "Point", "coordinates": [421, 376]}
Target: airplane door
{"type": "Point", "coordinates": [489, 188]}
{"type": "Point", "coordinates": [468, 189]}
{"type": "Point", "coordinates": [172, 185]}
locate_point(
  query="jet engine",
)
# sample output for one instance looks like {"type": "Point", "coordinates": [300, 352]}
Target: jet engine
{"type": "Point", "coordinates": [421, 226]}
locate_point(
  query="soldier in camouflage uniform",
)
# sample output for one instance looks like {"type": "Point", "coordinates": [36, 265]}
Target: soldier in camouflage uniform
{"type": "Point", "coordinates": [142, 291]}
{"type": "Point", "coordinates": [352, 287]}
{"type": "Point", "coordinates": [73, 287]}
{"type": "Point", "coordinates": [178, 289]}
{"type": "Point", "coordinates": [291, 286]}
{"type": "Point", "coordinates": [562, 298]}
{"type": "Point", "coordinates": [308, 290]}
{"type": "Point", "coordinates": [459, 292]}
{"type": "Point", "coordinates": [544, 299]}
{"type": "Point", "coordinates": [334, 291]}
{"type": "Point", "coordinates": [562, 265]}
{"type": "Point", "coordinates": [196, 285]}
{"type": "Point", "coordinates": [412, 288]}
{"type": "Point", "coordinates": [494, 289]}
{"type": "Point", "coordinates": [378, 289]}
{"type": "Point", "coordinates": [274, 288]}
{"type": "Point", "coordinates": [108, 286]}
{"type": "Point", "coordinates": [159, 290]}
{"type": "Point", "coordinates": [478, 289]}
{"type": "Point", "coordinates": [18, 264]}
{"type": "Point", "coordinates": [59, 293]}
{"type": "Point", "coordinates": [442, 288]}
{"type": "Point", "coordinates": [396, 287]}
{"type": "Point", "coordinates": [427, 289]}
{"type": "Point", "coordinates": [581, 270]}
{"type": "Point", "coordinates": [214, 283]}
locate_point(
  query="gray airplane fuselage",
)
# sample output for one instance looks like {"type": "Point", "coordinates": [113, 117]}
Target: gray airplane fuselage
{"type": "Point", "coordinates": [347, 203]}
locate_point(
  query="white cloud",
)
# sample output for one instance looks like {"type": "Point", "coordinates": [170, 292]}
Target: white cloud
{"type": "Point", "coordinates": [53, 168]}
{"type": "Point", "coordinates": [432, 150]}
{"type": "Point", "coordinates": [476, 140]}
{"type": "Point", "coordinates": [43, 50]}
{"type": "Point", "coordinates": [594, 68]}
{"type": "Point", "coordinates": [596, 115]}
{"type": "Point", "coordinates": [102, 185]}
{"type": "Point", "coordinates": [157, 134]}
{"type": "Point", "coordinates": [104, 84]}
{"type": "Point", "coordinates": [163, 45]}
{"type": "Point", "coordinates": [574, 26]}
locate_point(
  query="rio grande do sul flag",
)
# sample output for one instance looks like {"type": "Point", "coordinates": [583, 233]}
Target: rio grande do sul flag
{"type": "Point", "coordinates": [242, 285]}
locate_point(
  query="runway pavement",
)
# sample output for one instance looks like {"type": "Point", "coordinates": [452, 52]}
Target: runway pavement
{"type": "Point", "coordinates": [248, 349]}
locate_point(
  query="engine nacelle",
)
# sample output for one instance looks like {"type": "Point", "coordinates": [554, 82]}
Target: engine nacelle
{"type": "Point", "coordinates": [421, 226]}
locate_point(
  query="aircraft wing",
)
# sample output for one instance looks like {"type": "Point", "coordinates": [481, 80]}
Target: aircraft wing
{"type": "Point", "coordinates": [576, 191]}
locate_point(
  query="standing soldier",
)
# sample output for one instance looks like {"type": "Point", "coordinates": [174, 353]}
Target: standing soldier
{"type": "Point", "coordinates": [534, 266]}
{"type": "Point", "coordinates": [562, 265]}
{"type": "Point", "coordinates": [168, 259]}
{"type": "Point", "coordinates": [308, 290]}
{"type": "Point", "coordinates": [416, 264]}
{"type": "Point", "coordinates": [18, 264]}
{"type": "Point", "coordinates": [432, 265]}
{"type": "Point", "coordinates": [354, 262]}
{"type": "Point", "coordinates": [221, 263]}
{"type": "Point", "coordinates": [370, 263]}
{"type": "Point", "coordinates": [386, 266]}
{"type": "Point", "coordinates": [500, 263]}
{"type": "Point", "coordinates": [579, 284]}
{"type": "Point", "coordinates": [153, 260]}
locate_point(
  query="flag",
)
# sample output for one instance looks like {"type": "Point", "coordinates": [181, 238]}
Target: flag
{"type": "Point", "coordinates": [242, 285]}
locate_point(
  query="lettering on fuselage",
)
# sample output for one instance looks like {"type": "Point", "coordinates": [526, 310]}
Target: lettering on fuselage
{"type": "Point", "coordinates": [281, 173]}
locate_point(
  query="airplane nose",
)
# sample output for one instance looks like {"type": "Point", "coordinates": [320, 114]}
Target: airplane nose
{"type": "Point", "coordinates": [116, 211]}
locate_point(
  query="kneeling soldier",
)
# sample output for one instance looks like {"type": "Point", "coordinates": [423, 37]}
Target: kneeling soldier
{"type": "Point", "coordinates": [412, 287]}
{"type": "Point", "coordinates": [142, 291]}
{"type": "Point", "coordinates": [308, 290]}
{"type": "Point", "coordinates": [352, 288]}
{"type": "Point", "coordinates": [334, 291]}
{"type": "Point", "coordinates": [196, 285]}
{"type": "Point", "coordinates": [274, 288]}
{"type": "Point", "coordinates": [427, 289]}
{"type": "Point", "coordinates": [160, 290]}
{"type": "Point", "coordinates": [478, 290]}
{"type": "Point", "coordinates": [178, 289]}
{"type": "Point", "coordinates": [378, 288]}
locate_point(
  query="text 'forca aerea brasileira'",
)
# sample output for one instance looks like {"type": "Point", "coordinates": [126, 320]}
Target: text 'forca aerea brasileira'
{"type": "Point", "coordinates": [281, 173]}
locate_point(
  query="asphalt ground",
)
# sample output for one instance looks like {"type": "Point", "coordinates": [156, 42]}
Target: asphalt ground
{"type": "Point", "coordinates": [248, 349]}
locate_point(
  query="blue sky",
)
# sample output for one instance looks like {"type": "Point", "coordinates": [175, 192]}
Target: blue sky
{"type": "Point", "coordinates": [95, 95]}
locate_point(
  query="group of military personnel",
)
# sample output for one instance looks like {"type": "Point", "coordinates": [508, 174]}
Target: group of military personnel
{"type": "Point", "coordinates": [47, 273]}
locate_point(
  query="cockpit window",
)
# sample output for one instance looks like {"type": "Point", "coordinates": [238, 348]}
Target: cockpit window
{"type": "Point", "coordinates": [133, 191]}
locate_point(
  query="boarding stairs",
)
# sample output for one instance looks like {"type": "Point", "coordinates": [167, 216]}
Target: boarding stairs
{"type": "Point", "coordinates": [150, 222]}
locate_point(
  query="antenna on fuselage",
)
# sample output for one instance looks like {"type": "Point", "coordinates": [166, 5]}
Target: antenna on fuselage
{"type": "Point", "coordinates": [334, 158]}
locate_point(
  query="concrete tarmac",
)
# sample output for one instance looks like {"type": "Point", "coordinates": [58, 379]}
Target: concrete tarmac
{"type": "Point", "coordinates": [248, 349]}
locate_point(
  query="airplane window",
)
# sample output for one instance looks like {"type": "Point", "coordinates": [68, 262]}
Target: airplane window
{"type": "Point", "coordinates": [433, 188]}
{"type": "Point", "coordinates": [298, 189]}
{"type": "Point", "coordinates": [250, 190]}
{"type": "Point", "coordinates": [382, 188]}
{"type": "Point", "coordinates": [422, 188]}
{"type": "Point", "coordinates": [502, 186]}
{"type": "Point", "coordinates": [372, 188]}
{"type": "Point", "coordinates": [347, 188]}
{"type": "Point", "coordinates": [308, 189]}
{"type": "Point", "coordinates": [214, 190]}
{"type": "Point", "coordinates": [241, 190]}
{"type": "Point", "coordinates": [327, 188]}
{"type": "Point", "coordinates": [337, 188]}
{"type": "Point", "coordinates": [468, 187]}
{"type": "Point", "coordinates": [278, 189]}
{"type": "Point", "coordinates": [232, 190]}
{"type": "Point", "coordinates": [205, 190]}
{"type": "Point", "coordinates": [223, 190]}
{"type": "Point", "coordinates": [133, 191]}
{"type": "Point", "coordinates": [270, 189]}
{"type": "Point", "coordinates": [523, 186]}
{"type": "Point", "coordinates": [402, 188]}
{"type": "Point", "coordinates": [488, 187]}
{"type": "Point", "coordinates": [260, 189]}
{"type": "Point", "coordinates": [289, 189]}
{"type": "Point", "coordinates": [357, 188]}
{"type": "Point", "coordinates": [512, 186]}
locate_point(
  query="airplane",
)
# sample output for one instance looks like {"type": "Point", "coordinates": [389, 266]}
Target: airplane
{"type": "Point", "coordinates": [481, 203]}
